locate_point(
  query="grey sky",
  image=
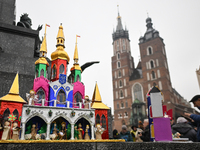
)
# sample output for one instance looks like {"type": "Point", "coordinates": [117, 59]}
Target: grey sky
{"type": "Point", "coordinates": [177, 22]}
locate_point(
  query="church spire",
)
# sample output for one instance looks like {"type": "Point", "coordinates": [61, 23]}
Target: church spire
{"type": "Point", "coordinates": [119, 24]}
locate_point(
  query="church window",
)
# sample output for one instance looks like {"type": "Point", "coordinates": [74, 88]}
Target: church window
{"type": "Point", "coordinates": [120, 83]}
{"type": "Point", "coordinates": [137, 92]}
{"type": "Point", "coordinates": [77, 99]}
{"type": "Point", "coordinates": [153, 75]}
{"type": "Point", "coordinates": [118, 56]}
{"type": "Point", "coordinates": [61, 97]}
{"type": "Point", "coordinates": [149, 50]}
{"type": "Point", "coordinates": [61, 69]}
{"type": "Point", "coordinates": [152, 64]}
{"type": "Point", "coordinates": [41, 95]}
{"type": "Point", "coordinates": [125, 115]}
{"type": "Point", "coordinates": [103, 122]}
{"type": "Point", "coordinates": [122, 104]}
{"type": "Point", "coordinates": [119, 74]}
{"type": "Point", "coordinates": [118, 64]}
{"type": "Point", "coordinates": [121, 94]}
{"type": "Point", "coordinates": [16, 113]}
{"type": "Point", "coordinates": [54, 71]}
{"type": "Point", "coordinates": [97, 120]}
{"type": "Point", "coordinates": [42, 72]}
{"type": "Point", "coordinates": [36, 73]}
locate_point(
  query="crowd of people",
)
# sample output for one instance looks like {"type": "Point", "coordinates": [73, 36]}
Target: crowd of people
{"type": "Point", "coordinates": [183, 128]}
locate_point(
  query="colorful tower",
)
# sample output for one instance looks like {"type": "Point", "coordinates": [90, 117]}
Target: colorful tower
{"type": "Point", "coordinates": [101, 112]}
{"type": "Point", "coordinates": [41, 83]}
{"type": "Point", "coordinates": [12, 103]}
{"type": "Point", "coordinates": [59, 58]}
{"type": "Point", "coordinates": [79, 88]}
{"type": "Point", "coordinates": [61, 92]}
{"type": "Point", "coordinates": [76, 69]}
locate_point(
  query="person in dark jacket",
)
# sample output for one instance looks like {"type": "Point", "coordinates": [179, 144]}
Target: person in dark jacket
{"type": "Point", "coordinates": [184, 129]}
{"type": "Point", "coordinates": [124, 134]}
{"type": "Point", "coordinates": [145, 135]}
{"type": "Point", "coordinates": [195, 117]}
{"type": "Point", "coordinates": [115, 134]}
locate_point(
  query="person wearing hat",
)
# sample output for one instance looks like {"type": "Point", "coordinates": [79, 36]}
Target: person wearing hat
{"type": "Point", "coordinates": [124, 134]}
{"type": "Point", "coordinates": [196, 101]}
{"type": "Point", "coordinates": [184, 129]}
{"type": "Point", "coordinates": [145, 135]}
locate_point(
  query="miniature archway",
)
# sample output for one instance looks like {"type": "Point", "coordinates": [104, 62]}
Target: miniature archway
{"type": "Point", "coordinates": [16, 113]}
{"type": "Point", "coordinates": [6, 113]}
{"type": "Point", "coordinates": [54, 71]}
{"type": "Point", "coordinates": [41, 95]}
{"type": "Point", "coordinates": [35, 124]}
{"type": "Point", "coordinates": [60, 129]}
{"type": "Point", "coordinates": [42, 72]}
{"type": "Point", "coordinates": [61, 69]}
{"type": "Point", "coordinates": [82, 123]}
{"type": "Point", "coordinates": [61, 97]}
{"type": "Point", "coordinates": [103, 121]}
{"type": "Point", "coordinates": [77, 99]}
{"type": "Point", "coordinates": [97, 119]}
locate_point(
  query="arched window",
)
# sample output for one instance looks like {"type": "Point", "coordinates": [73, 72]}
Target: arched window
{"type": "Point", "coordinates": [42, 72]}
{"type": "Point", "coordinates": [137, 92]}
{"type": "Point", "coordinates": [118, 56]}
{"type": "Point", "coordinates": [152, 64]}
{"type": "Point", "coordinates": [77, 99]}
{"type": "Point", "coordinates": [153, 75]}
{"type": "Point", "coordinates": [122, 104]}
{"type": "Point", "coordinates": [77, 78]}
{"type": "Point", "coordinates": [97, 120]}
{"type": "Point", "coordinates": [150, 50]}
{"type": "Point", "coordinates": [41, 95]}
{"type": "Point", "coordinates": [121, 94]}
{"type": "Point", "coordinates": [61, 97]}
{"type": "Point", "coordinates": [16, 113]}
{"type": "Point", "coordinates": [61, 69]}
{"type": "Point", "coordinates": [54, 71]}
{"type": "Point", "coordinates": [103, 122]}
{"type": "Point", "coordinates": [120, 83]}
{"type": "Point", "coordinates": [6, 113]}
{"type": "Point", "coordinates": [119, 74]}
{"type": "Point", "coordinates": [118, 64]}
{"type": "Point", "coordinates": [36, 74]}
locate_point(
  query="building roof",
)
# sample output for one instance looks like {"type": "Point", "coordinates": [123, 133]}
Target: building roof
{"type": "Point", "coordinates": [96, 100]}
{"type": "Point", "coordinates": [13, 95]}
{"type": "Point", "coordinates": [137, 74]}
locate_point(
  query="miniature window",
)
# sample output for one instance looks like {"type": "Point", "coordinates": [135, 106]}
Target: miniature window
{"type": "Point", "coordinates": [58, 40]}
{"type": "Point", "coordinates": [36, 73]}
{"type": "Point", "coordinates": [61, 69]}
{"type": "Point", "coordinates": [103, 121]}
{"type": "Point", "coordinates": [120, 83]}
{"type": "Point", "coordinates": [119, 74]}
{"type": "Point", "coordinates": [153, 75]}
{"type": "Point", "coordinates": [42, 72]}
{"type": "Point", "coordinates": [77, 99]}
{"type": "Point", "coordinates": [54, 71]}
{"type": "Point", "coordinates": [41, 95]}
{"type": "Point", "coordinates": [6, 113]}
{"type": "Point", "coordinates": [16, 113]}
{"type": "Point", "coordinates": [61, 97]}
{"type": "Point", "coordinates": [97, 119]}
{"type": "Point", "coordinates": [77, 78]}
{"type": "Point", "coordinates": [137, 92]}
{"type": "Point", "coordinates": [121, 94]}
{"type": "Point", "coordinates": [118, 64]}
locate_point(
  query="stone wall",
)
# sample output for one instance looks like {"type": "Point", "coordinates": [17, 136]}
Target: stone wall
{"type": "Point", "coordinates": [100, 146]}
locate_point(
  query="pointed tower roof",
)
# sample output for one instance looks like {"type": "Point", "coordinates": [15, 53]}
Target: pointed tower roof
{"type": "Point", "coordinates": [13, 94]}
{"type": "Point", "coordinates": [60, 52]}
{"type": "Point", "coordinates": [96, 100]}
{"type": "Point", "coordinates": [119, 25]}
{"type": "Point", "coordinates": [43, 47]}
{"type": "Point", "coordinates": [76, 65]}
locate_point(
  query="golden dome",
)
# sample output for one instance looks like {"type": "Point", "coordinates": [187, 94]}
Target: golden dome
{"type": "Point", "coordinates": [76, 67]}
{"type": "Point", "coordinates": [42, 60]}
{"type": "Point", "coordinates": [60, 52]}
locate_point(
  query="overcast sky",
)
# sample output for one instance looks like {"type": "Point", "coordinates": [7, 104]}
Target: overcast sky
{"type": "Point", "coordinates": [176, 20]}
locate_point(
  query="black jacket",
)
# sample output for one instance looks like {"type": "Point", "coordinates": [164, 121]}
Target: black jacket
{"type": "Point", "coordinates": [146, 135]}
{"type": "Point", "coordinates": [185, 130]}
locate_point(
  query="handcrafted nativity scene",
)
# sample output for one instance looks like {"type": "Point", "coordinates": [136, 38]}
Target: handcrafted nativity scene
{"type": "Point", "coordinates": [57, 109]}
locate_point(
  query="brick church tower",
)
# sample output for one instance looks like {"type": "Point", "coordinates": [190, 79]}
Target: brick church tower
{"type": "Point", "coordinates": [122, 68]}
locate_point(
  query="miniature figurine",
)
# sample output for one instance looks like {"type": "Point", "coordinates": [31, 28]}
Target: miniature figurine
{"type": "Point", "coordinates": [16, 130]}
{"type": "Point", "coordinates": [86, 103]}
{"type": "Point", "coordinates": [34, 135]}
{"type": "Point", "coordinates": [81, 132]}
{"type": "Point", "coordinates": [6, 131]}
{"type": "Point", "coordinates": [87, 137]}
{"type": "Point", "coordinates": [76, 133]}
{"type": "Point", "coordinates": [62, 133]}
{"type": "Point", "coordinates": [31, 97]}
{"type": "Point", "coordinates": [98, 132]}
{"type": "Point", "coordinates": [54, 132]}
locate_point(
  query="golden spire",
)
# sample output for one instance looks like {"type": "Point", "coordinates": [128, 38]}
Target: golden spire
{"type": "Point", "coordinates": [96, 100]}
{"type": "Point", "coordinates": [60, 52]}
{"type": "Point", "coordinates": [76, 52]}
{"type": "Point", "coordinates": [43, 47]}
{"type": "Point", "coordinates": [13, 94]}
